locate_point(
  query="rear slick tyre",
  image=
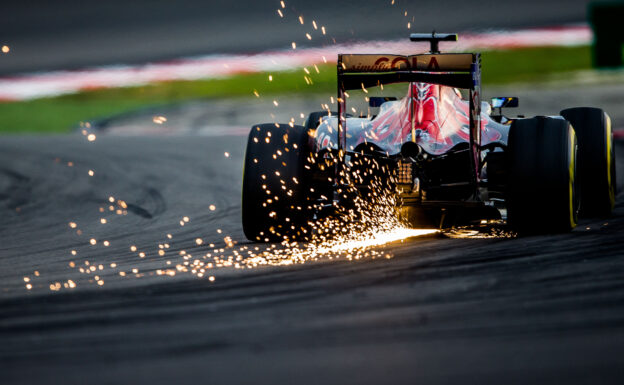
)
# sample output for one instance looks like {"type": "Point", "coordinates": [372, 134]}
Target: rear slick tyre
{"type": "Point", "coordinates": [596, 160]}
{"type": "Point", "coordinates": [541, 196]}
{"type": "Point", "coordinates": [275, 202]}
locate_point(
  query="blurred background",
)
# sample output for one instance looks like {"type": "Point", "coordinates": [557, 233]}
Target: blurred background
{"type": "Point", "coordinates": [117, 64]}
{"type": "Point", "coordinates": [55, 35]}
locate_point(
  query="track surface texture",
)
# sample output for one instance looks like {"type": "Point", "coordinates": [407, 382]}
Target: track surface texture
{"type": "Point", "coordinates": [542, 309]}
{"type": "Point", "coordinates": [45, 35]}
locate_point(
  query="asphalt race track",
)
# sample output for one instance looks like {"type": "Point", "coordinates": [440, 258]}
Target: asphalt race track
{"type": "Point", "coordinates": [543, 309]}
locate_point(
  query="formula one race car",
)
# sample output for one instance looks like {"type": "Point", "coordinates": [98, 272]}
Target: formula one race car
{"type": "Point", "coordinates": [448, 160]}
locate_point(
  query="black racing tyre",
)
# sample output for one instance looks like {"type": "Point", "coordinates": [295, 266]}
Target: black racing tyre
{"type": "Point", "coordinates": [596, 160]}
{"type": "Point", "coordinates": [541, 194]}
{"type": "Point", "coordinates": [314, 119]}
{"type": "Point", "coordinates": [275, 205]}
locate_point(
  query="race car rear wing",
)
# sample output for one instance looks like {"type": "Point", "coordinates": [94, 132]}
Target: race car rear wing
{"type": "Point", "coordinates": [363, 71]}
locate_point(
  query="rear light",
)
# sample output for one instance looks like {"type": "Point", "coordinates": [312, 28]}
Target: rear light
{"type": "Point", "coordinates": [404, 173]}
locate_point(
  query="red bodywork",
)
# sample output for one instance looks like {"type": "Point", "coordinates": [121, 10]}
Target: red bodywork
{"type": "Point", "coordinates": [436, 115]}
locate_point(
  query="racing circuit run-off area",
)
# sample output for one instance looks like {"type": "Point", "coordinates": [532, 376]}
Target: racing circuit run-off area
{"type": "Point", "coordinates": [284, 192]}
